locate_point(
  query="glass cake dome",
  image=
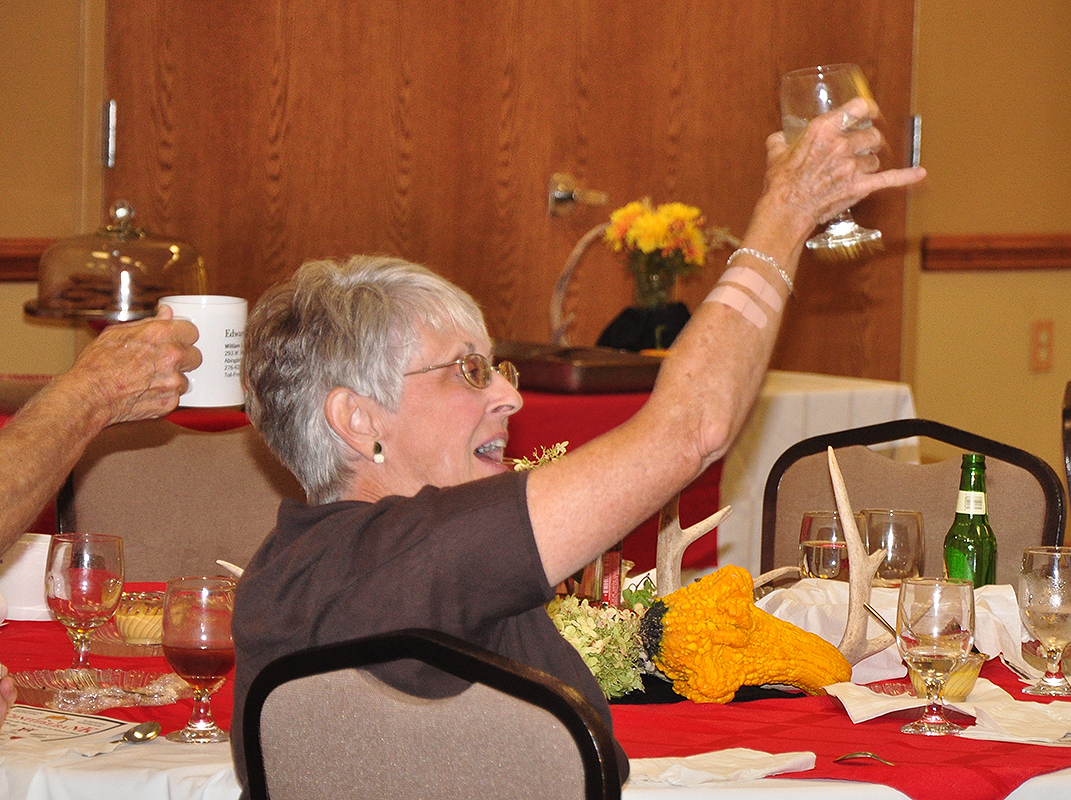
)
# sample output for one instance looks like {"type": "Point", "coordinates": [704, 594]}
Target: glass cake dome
{"type": "Point", "coordinates": [116, 274]}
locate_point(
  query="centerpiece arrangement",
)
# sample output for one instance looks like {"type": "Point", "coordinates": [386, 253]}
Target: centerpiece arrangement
{"type": "Point", "coordinates": [708, 638]}
{"type": "Point", "coordinates": [660, 244]}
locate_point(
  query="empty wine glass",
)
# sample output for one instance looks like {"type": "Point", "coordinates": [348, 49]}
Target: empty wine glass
{"type": "Point", "coordinates": [1045, 606]}
{"type": "Point", "coordinates": [198, 646]}
{"type": "Point", "coordinates": [809, 93]}
{"type": "Point", "coordinates": [899, 534]}
{"type": "Point", "coordinates": [83, 584]}
{"type": "Point", "coordinates": [934, 633]}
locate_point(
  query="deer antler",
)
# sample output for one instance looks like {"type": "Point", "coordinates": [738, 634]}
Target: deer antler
{"type": "Point", "coordinates": [672, 541]}
{"type": "Point", "coordinates": [862, 567]}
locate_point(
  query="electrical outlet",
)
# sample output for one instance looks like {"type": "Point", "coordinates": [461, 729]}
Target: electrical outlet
{"type": "Point", "coordinates": [1041, 345]}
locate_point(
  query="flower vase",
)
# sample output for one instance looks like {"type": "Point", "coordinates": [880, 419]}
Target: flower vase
{"type": "Point", "coordinates": [652, 289]}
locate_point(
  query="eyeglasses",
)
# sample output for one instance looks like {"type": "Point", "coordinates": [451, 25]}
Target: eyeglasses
{"type": "Point", "coordinates": [477, 370]}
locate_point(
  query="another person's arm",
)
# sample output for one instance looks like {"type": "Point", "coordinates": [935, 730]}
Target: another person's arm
{"type": "Point", "coordinates": [582, 504]}
{"type": "Point", "coordinates": [129, 372]}
{"type": "Point", "coordinates": [8, 693]}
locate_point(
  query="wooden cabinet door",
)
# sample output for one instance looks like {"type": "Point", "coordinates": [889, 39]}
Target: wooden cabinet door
{"type": "Point", "coordinates": [267, 134]}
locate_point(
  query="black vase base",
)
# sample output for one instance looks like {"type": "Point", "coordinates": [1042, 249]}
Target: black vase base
{"type": "Point", "coordinates": [637, 329]}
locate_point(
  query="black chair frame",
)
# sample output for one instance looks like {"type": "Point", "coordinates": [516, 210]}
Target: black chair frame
{"type": "Point", "coordinates": [1051, 485]}
{"type": "Point", "coordinates": [455, 657]}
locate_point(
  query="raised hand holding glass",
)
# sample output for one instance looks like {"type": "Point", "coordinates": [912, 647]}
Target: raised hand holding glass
{"type": "Point", "coordinates": [809, 93]}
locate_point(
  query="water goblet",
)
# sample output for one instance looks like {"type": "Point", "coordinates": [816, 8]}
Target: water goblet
{"type": "Point", "coordinates": [808, 93]}
{"type": "Point", "coordinates": [899, 534]}
{"type": "Point", "coordinates": [83, 584]}
{"type": "Point", "coordinates": [1045, 607]}
{"type": "Point", "coordinates": [197, 644]}
{"type": "Point", "coordinates": [823, 550]}
{"type": "Point", "coordinates": [934, 634]}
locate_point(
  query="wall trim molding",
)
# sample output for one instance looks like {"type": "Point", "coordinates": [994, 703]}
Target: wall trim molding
{"type": "Point", "coordinates": [997, 251]}
{"type": "Point", "coordinates": [19, 258]}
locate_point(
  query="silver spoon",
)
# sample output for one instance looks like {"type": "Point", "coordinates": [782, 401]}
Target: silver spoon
{"type": "Point", "coordinates": [141, 732]}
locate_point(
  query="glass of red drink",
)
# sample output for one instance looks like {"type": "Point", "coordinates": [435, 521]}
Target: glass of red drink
{"type": "Point", "coordinates": [83, 584]}
{"type": "Point", "coordinates": [198, 646]}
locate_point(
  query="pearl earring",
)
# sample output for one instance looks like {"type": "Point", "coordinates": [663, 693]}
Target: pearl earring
{"type": "Point", "coordinates": [377, 453]}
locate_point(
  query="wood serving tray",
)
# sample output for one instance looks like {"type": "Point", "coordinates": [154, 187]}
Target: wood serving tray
{"type": "Point", "coordinates": [579, 370]}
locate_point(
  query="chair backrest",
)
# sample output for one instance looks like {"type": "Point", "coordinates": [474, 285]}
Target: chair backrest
{"type": "Point", "coordinates": [1067, 435]}
{"type": "Point", "coordinates": [318, 724]}
{"type": "Point", "coordinates": [180, 498]}
{"type": "Point", "coordinates": [1026, 500]}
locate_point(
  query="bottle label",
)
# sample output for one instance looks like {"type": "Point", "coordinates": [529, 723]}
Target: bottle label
{"type": "Point", "coordinates": [971, 503]}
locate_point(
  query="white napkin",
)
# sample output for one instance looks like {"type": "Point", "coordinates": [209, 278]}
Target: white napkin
{"type": "Point", "coordinates": [711, 769]}
{"type": "Point", "coordinates": [998, 715]}
{"type": "Point", "coordinates": [821, 607]}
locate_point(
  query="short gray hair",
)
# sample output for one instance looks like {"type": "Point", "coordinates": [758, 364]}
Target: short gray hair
{"type": "Point", "coordinates": [351, 324]}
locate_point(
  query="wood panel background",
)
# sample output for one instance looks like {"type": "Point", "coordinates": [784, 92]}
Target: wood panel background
{"type": "Point", "coordinates": [278, 132]}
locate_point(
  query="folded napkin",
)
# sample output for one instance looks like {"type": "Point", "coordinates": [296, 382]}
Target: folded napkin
{"type": "Point", "coordinates": [998, 716]}
{"type": "Point", "coordinates": [711, 769]}
{"type": "Point", "coordinates": [821, 607]}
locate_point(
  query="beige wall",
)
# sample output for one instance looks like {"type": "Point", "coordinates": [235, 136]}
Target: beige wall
{"type": "Point", "coordinates": [992, 84]}
{"type": "Point", "coordinates": [51, 80]}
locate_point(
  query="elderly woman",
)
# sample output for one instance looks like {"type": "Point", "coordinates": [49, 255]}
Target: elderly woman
{"type": "Point", "coordinates": [372, 382]}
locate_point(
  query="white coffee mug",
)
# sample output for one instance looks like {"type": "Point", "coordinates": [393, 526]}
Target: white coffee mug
{"type": "Point", "coordinates": [220, 322]}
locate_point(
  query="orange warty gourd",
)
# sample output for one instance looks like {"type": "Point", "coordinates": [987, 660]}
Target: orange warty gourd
{"type": "Point", "coordinates": [710, 639]}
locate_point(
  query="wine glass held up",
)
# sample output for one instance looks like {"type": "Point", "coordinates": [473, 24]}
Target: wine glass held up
{"type": "Point", "coordinates": [1045, 606]}
{"type": "Point", "coordinates": [934, 633]}
{"type": "Point", "coordinates": [83, 585]}
{"type": "Point", "coordinates": [808, 93]}
{"type": "Point", "coordinates": [198, 646]}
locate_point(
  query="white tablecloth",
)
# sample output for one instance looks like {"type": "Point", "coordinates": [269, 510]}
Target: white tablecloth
{"type": "Point", "coordinates": [162, 770]}
{"type": "Point", "coordinates": [794, 406]}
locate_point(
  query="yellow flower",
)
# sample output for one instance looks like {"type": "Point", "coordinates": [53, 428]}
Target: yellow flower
{"type": "Point", "coordinates": [649, 232]}
{"type": "Point", "coordinates": [672, 232]}
{"type": "Point", "coordinates": [621, 221]}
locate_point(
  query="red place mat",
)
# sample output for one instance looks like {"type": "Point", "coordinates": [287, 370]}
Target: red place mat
{"type": "Point", "coordinates": [925, 768]}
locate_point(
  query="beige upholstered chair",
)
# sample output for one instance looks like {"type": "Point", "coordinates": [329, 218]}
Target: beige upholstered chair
{"type": "Point", "coordinates": [318, 724]}
{"type": "Point", "coordinates": [1067, 435]}
{"type": "Point", "coordinates": [1026, 500]}
{"type": "Point", "coordinates": [180, 498]}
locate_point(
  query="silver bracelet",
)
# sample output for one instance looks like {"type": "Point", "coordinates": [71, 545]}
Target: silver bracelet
{"type": "Point", "coordinates": [750, 251]}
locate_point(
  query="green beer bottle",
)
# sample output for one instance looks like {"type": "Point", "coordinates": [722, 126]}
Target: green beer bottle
{"type": "Point", "coordinates": [970, 546]}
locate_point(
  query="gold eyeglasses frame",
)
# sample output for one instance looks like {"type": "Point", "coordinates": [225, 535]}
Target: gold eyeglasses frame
{"type": "Point", "coordinates": [477, 370]}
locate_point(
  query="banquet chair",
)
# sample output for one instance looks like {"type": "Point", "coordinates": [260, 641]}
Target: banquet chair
{"type": "Point", "coordinates": [1026, 499]}
{"type": "Point", "coordinates": [319, 723]}
{"type": "Point", "coordinates": [1067, 436]}
{"type": "Point", "coordinates": [180, 498]}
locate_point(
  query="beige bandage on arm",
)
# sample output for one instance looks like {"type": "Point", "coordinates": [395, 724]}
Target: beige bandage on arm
{"type": "Point", "coordinates": [755, 283]}
{"type": "Point", "coordinates": [734, 298]}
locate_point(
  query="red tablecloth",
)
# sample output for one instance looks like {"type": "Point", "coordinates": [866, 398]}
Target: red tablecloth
{"type": "Point", "coordinates": [925, 768]}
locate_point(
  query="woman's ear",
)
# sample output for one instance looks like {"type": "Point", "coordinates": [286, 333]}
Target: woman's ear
{"type": "Point", "coordinates": [353, 419]}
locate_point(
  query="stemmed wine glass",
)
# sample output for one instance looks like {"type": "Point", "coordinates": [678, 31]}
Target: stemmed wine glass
{"type": "Point", "coordinates": [198, 646]}
{"type": "Point", "coordinates": [1045, 606]}
{"type": "Point", "coordinates": [809, 93]}
{"type": "Point", "coordinates": [83, 584]}
{"type": "Point", "coordinates": [934, 633]}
